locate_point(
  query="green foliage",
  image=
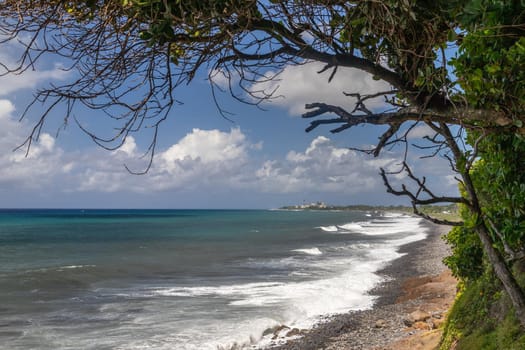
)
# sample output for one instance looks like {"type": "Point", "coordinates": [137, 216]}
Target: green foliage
{"type": "Point", "coordinates": [471, 309]}
{"type": "Point", "coordinates": [482, 319]}
{"type": "Point", "coordinates": [500, 180]}
{"type": "Point", "coordinates": [407, 33]}
{"type": "Point", "coordinates": [180, 24]}
{"type": "Point", "coordinates": [466, 260]}
{"type": "Point", "coordinates": [183, 23]}
{"type": "Point", "coordinates": [491, 70]}
{"type": "Point", "coordinates": [491, 61]}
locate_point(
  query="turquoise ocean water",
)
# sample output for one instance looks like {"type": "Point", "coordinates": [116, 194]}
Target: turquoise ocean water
{"type": "Point", "coordinates": [185, 279]}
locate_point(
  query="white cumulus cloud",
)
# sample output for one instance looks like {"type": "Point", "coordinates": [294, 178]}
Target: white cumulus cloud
{"type": "Point", "coordinates": [207, 146]}
{"type": "Point", "coordinates": [36, 168]}
{"type": "Point", "coordinates": [322, 167]}
{"type": "Point", "coordinates": [29, 79]}
{"type": "Point", "coordinates": [6, 108]}
{"type": "Point", "coordinates": [207, 160]}
{"type": "Point", "coordinates": [302, 84]}
{"type": "Point", "coordinates": [202, 158]}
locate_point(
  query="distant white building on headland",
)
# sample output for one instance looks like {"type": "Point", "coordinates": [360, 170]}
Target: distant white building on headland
{"type": "Point", "coordinates": [313, 205]}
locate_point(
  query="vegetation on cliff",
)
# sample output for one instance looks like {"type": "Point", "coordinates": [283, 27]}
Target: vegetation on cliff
{"type": "Point", "coordinates": [484, 316]}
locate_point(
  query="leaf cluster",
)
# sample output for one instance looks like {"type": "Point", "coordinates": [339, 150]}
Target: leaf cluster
{"type": "Point", "coordinates": [466, 260]}
{"type": "Point", "coordinates": [491, 60]}
{"type": "Point", "coordinates": [500, 180]}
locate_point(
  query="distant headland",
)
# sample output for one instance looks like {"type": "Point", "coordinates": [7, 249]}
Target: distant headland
{"type": "Point", "coordinates": [450, 209]}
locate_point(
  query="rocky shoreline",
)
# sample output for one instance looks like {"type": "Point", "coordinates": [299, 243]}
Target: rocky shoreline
{"type": "Point", "coordinates": [411, 304]}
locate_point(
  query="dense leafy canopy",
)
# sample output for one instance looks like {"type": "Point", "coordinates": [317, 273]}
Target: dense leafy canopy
{"type": "Point", "coordinates": [491, 60]}
{"type": "Point", "coordinates": [491, 65]}
{"type": "Point", "coordinates": [466, 260]}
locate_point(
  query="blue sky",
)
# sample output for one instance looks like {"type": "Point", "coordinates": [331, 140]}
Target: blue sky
{"type": "Point", "coordinates": [263, 159]}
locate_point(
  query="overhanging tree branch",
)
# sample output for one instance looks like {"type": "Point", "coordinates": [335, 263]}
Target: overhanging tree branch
{"type": "Point", "coordinates": [468, 118]}
{"type": "Point", "coordinates": [415, 196]}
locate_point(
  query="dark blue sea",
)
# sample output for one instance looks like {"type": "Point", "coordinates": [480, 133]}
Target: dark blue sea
{"type": "Point", "coordinates": [185, 279]}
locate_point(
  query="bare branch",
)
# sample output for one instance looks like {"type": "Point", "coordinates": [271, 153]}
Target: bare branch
{"type": "Point", "coordinates": [383, 140]}
{"type": "Point", "coordinates": [464, 117]}
{"type": "Point", "coordinates": [436, 220]}
{"type": "Point", "coordinates": [415, 198]}
{"type": "Point", "coordinates": [421, 187]}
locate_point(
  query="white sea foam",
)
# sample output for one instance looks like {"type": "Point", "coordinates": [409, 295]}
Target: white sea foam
{"type": "Point", "coordinates": [304, 302]}
{"type": "Point", "coordinates": [393, 215]}
{"type": "Point", "coordinates": [329, 228]}
{"type": "Point", "coordinates": [288, 262]}
{"type": "Point", "coordinates": [210, 291]}
{"type": "Point", "coordinates": [409, 239]}
{"type": "Point", "coordinates": [308, 300]}
{"type": "Point", "coordinates": [309, 251]}
{"type": "Point", "coordinates": [398, 224]}
{"type": "Point", "coordinates": [352, 227]}
{"type": "Point", "coordinates": [70, 267]}
{"type": "Point", "coordinates": [243, 334]}
{"type": "Point", "coordinates": [361, 246]}
{"type": "Point", "coordinates": [297, 304]}
{"type": "Point", "coordinates": [344, 291]}
{"type": "Point", "coordinates": [336, 282]}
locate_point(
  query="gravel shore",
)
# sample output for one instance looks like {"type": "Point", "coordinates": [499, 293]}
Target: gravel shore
{"type": "Point", "coordinates": [394, 317]}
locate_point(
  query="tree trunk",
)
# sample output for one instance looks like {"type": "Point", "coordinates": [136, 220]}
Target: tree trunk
{"type": "Point", "coordinates": [503, 273]}
{"type": "Point", "coordinates": [508, 250]}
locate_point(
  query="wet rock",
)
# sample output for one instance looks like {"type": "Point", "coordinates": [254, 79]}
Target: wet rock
{"type": "Point", "coordinates": [293, 332]}
{"type": "Point", "coordinates": [275, 330]}
{"type": "Point", "coordinates": [407, 322]}
{"type": "Point", "coordinates": [438, 322]}
{"type": "Point", "coordinates": [421, 325]}
{"type": "Point", "coordinates": [437, 314]}
{"type": "Point", "coordinates": [419, 316]}
{"type": "Point", "coordinates": [380, 323]}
